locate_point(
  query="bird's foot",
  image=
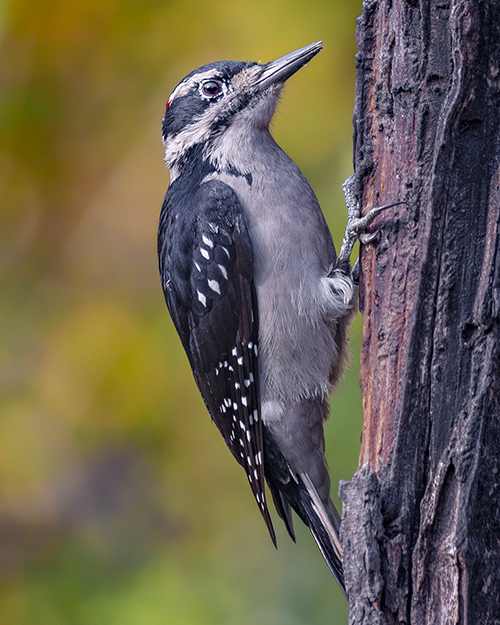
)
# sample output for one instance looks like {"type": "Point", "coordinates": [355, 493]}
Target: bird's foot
{"type": "Point", "coordinates": [356, 225]}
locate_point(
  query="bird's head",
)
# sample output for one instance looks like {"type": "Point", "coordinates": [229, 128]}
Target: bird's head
{"type": "Point", "coordinates": [212, 98]}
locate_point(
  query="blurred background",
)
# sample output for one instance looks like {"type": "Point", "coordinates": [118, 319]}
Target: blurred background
{"type": "Point", "coordinates": [119, 502]}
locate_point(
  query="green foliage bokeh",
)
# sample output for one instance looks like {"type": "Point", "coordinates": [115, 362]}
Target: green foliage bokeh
{"type": "Point", "coordinates": [119, 502]}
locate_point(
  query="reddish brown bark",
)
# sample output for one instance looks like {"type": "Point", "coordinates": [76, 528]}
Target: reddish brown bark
{"type": "Point", "coordinates": [421, 528]}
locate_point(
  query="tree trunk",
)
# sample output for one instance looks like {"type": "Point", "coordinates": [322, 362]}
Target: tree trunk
{"type": "Point", "coordinates": [421, 520]}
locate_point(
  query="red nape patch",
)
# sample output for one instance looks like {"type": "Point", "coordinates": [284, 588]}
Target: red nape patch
{"type": "Point", "coordinates": [166, 107]}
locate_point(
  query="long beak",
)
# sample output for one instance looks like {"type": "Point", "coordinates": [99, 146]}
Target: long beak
{"type": "Point", "coordinates": [277, 72]}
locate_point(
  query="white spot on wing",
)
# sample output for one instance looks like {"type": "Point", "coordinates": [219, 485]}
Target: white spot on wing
{"type": "Point", "coordinates": [201, 297]}
{"type": "Point", "coordinates": [223, 271]}
{"type": "Point", "coordinates": [204, 253]}
{"type": "Point", "coordinates": [214, 285]}
{"type": "Point", "coordinates": [208, 241]}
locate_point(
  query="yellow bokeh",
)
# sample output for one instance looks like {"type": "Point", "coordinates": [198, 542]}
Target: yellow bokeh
{"type": "Point", "coordinates": [119, 502]}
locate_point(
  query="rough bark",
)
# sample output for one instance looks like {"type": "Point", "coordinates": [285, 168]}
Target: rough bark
{"type": "Point", "coordinates": [421, 519]}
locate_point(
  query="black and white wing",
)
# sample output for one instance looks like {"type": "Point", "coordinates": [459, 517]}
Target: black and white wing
{"type": "Point", "coordinates": [206, 265]}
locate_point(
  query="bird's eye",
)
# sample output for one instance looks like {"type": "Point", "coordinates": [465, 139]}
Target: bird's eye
{"type": "Point", "coordinates": [212, 87]}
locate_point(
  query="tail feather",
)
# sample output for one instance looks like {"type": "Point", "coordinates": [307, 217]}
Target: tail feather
{"type": "Point", "coordinates": [323, 540]}
{"type": "Point", "coordinates": [284, 510]}
{"type": "Point", "coordinates": [324, 523]}
{"type": "Point", "coordinates": [330, 522]}
{"type": "Point", "coordinates": [297, 492]}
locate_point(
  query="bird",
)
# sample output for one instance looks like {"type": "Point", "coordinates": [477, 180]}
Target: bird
{"type": "Point", "coordinates": [255, 289]}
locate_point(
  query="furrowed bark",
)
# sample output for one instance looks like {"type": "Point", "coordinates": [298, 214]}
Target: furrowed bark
{"type": "Point", "coordinates": [421, 520]}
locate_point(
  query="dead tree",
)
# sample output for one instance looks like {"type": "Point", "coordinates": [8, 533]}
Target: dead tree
{"type": "Point", "coordinates": [421, 524]}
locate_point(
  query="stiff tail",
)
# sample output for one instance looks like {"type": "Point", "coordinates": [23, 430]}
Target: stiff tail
{"type": "Point", "coordinates": [297, 492]}
{"type": "Point", "coordinates": [324, 525]}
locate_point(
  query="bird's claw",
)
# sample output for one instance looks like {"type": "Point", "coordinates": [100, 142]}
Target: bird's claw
{"type": "Point", "coordinates": [356, 225]}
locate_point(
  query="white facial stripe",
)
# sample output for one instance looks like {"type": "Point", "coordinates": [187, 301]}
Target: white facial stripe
{"type": "Point", "coordinates": [185, 87]}
{"type": "Point", "coordinates": [180, 90]}
{"type": "Point", "coordinates": [197, 132]}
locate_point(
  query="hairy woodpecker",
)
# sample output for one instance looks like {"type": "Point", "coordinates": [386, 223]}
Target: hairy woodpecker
{"type": "Point", "coordinates": [255, 289]}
